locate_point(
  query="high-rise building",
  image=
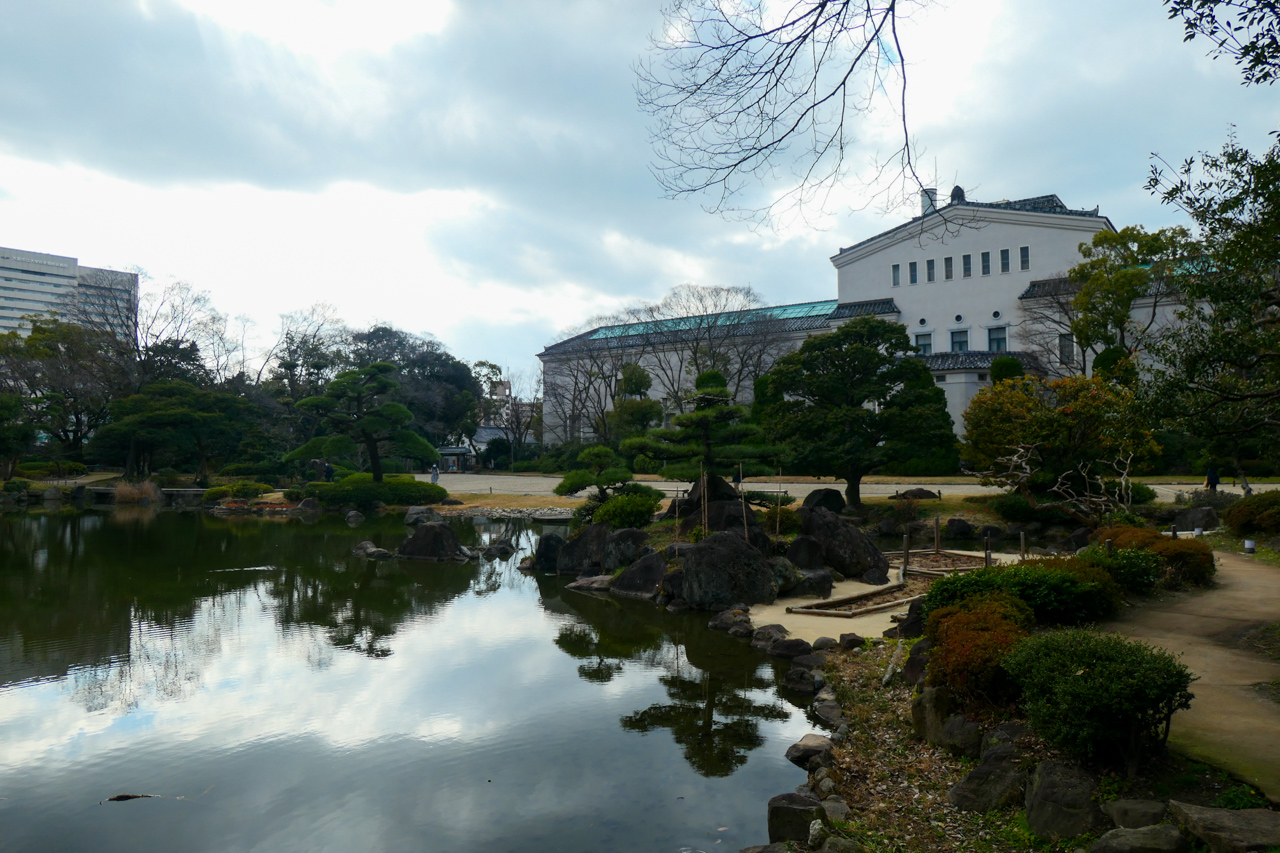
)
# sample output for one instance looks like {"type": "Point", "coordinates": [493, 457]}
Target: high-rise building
{"type": "Point", "coordinates": [34, 283]}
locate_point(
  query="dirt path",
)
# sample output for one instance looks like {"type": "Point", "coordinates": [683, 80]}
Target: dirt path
{"type": "Point", "coordinates": [1230, 724]}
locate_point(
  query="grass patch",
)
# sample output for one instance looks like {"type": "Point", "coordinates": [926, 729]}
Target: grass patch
{"type": "Point", "coordinates": [1269, 689]}
{"type": "Point", "coordinates": [1222, 541]}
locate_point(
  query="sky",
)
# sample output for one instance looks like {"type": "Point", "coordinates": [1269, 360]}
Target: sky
{"type": "Point", "coordinates": [480, 172]}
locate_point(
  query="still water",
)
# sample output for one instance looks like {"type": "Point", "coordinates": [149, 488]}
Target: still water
{"type": "Point", "coordinates": [277, 694]}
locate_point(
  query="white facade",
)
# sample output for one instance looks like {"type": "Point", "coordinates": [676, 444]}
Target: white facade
{"type": "Point", "coordinates": [38, 283]}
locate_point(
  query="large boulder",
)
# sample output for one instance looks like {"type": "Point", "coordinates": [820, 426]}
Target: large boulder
{"type": "Point", "coordinates": [599, 549]}
{"type": "Point", "coordinates": [790, 816]}
{"type": "Point", "coordinates": [370, 551]}
{"type": "Point", "coordinates": [918, 494]}
{"type": "Point", "coordinates": [791, 647]}
{"type": "Point", "coordinates": [416, 515]}
{"type": "Point", "coordinates": [815, 583]}
{"type": "Point", "coordinates": [807, 747]}
{"type": "Point", "coordinates": [845, 548]}
{"type": "Point", "coordinates": [1060, 802]}
{"type": "Point", "coordinates": [912, 626]}
{"type": "Point", "coordinates": [961, 736]}
{"type": "Point", "coordinates": [1228, 831]}
{"type": "Point", "coordinates": [642, 578]}
{"type": "Point", "coordinates": [721, 515]}
{"type": "Point", "coordinates": [829, 499]}
{"type": "Point", "coordinates": [1164, 838]}
{"type": "Point", "coordinates": [1135, 814]}
{"type": "Point", "coordinates": [766, 635]}
{"type": "Point", "coordinates": [785, 575]}
{"type": "Point", "coordinates": [433, 540]}
{"type": "Point", "coordinates": [957, 528]}
{"type": "Point", "coordinates": [1197, 516]}
{"type": "Point", "coordinates": [929, 712]}
{"type": "Point", "coordinates": [672, 584]}
{"type": "Point", "coordinates": [623, 546]}
{"type": "Point", "coordinates": [805, 552]}
{"type": "Point", "coordinates": [913, 671]}
{"type": "Point", "coordinates": [723, 569]}
{"type": "Point", "coordinates": [547, 552]}
{"type": "Point", "coordinates": [995, 783]}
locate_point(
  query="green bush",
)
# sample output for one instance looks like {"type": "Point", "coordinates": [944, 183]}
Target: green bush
{"type": "Point", "coordinates": [294, 495]}
{"type": "Point", "coordinates": [1012, 506]}
{"type": "Point", "coordinates": [242, 490]}
{"type": "Point", "coordinates": [525, 467]}
{"type": "Point", "coordinates": [216, 494]}
{"type": "Point", "coordinates": [1059, 591]}
{"type": "Point", "coordinates": [548, 465]}
{"type": "Point", "coordinates": [1189, 561]}
{"type": "Point", "coordinates": [1099, 695]}
{"type": "Point", "coordinates": [781, 521]}
{"type": "Point", "coordinates": [634, 510]}
{"type": "Point", "coordinates": [17, 484]}
{"type": "Point", "coordinates": [1137, 570]}
{"type": "Point", "coordinates": [359, 490]}
{"type": "Point", "coordinates": [1258, 513]}
{"type": "Point", "coordinates": [644, 465]}
{"type": "Point", "coordinates": [45, 470]}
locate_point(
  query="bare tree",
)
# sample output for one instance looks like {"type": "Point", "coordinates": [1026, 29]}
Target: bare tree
{"type": "Point", "coordinates": [519, 420]}
{"type": "Point", "coordinates": [741, 90]}
{"type": "Point", "coordinates": [1048, 316]}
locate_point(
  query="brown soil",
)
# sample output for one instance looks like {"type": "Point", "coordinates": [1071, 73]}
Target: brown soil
{"type": "Point", "coordinates": [930, 560]}
{"type": "Point", "coordinates": [914, 587]}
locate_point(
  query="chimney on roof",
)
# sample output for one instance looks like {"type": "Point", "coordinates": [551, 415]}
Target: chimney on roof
{"type": "Point", "coordinates": [928, 200]}
{"type": "Point", "coordinates": [957, 195]}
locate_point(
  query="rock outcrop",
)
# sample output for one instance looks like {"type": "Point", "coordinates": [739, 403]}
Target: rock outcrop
{"type": "Point", "coordinates": [432, 540]}
{"type": "Point", "coordinates": [642, 578]}
{"type": "Point", "coordinates": [1229, 831]}
{"type": "Point", "coordinates": [845, 548]}
{"type": "Point", "coordinates": [723, 569]}
{"type": "Point", "coordinates": [1060, 802]}
{"type": "Point", "coordinates": [829, 499]}
{"type": "Point", "coordinates": [994, 784]}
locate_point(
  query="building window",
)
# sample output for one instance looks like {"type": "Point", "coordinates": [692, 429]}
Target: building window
{"type": "Point", "coordinates": [998, 339]}
{"type": "Point", "coordinates": [960, 341]}
{"type": "Point", "coordinates": [912, 273]}
{"type": "Point", "coordinates": [986, 263]}
{"type": "Point", "coordinates": [1004, 260]}
{"type": "Point", "coordinates": [1024, 258]}
{"type": "Point", "coordinates": [897, 275]}
{"type": "Point", "coordinates": [1066, 350]}
{"type": "Point", "coordinates": [928, 270]}
{"type": "Point", "coordinates": [941, 377]}
{"type": "Point", "coordinates": [982, 377]}
{"type": "Point", "coordinates": [925, 343]}
{"type": "Point", "coordinates": [966, 266]}
{"type": "Point", "coordinates": [948, 269]}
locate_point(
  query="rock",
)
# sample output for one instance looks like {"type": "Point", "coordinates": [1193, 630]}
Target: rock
{"type": "Point", "coordinates": [1164, 838]}
{"type": "Point", "coordinates": [912, 626]}
{"type": "Point", "coordinates": [53, 493]}
{"type": "Point", "coordinates": [995, 783]}
{"type": "Point", "coordinates": [829, 499]}
{"type": "Point", "coordinates": [790, 816]}
{"type": "Point", "coordinates": [786, 576]}
{"type": "Point", "coordinates": [1227, 831]}
{"type": "Point", "coordinates": [814, 583]}
{"type": "Point", "coordinates": [886, 527]}
{"type": "Point", "coordinates": [765, 848]}
{"type": "Point", "coordinates": [835, 844]}
{"type": "Point", "coordinates": [1060, 802]}
{"type": "Point", "coordinates": [450, 502]}
{"type": "Point", "coordinates": [818, 831]}
{"type": "Point", "coordinates": [369, 550]}
{"type": "Point", "coordinates": [678, 605]}
{"type": "Point", "coordinates": [741, 630]}
{"type": "Point", "coordinates": [721, 516]}
{"type": "Point", "coordinates": [722, 569]}
{"type": "Point", "coordinates": [309, 505]}
{"type": "Point", "coordinates": [1076, 539]}
{"type": "Point", "coordinates": [717, 490]}
{"type": "Point", "coordinates": [958, 528]}
{"type": "Point", "coordinates": [929, 711]}
{"type": "Point", "coordinates": [805, 552]}
{"type": "Point", "coordinates": [433, 540]}
{"type": "Point", "coordinates": [354, 518]}
{"type": "Point", "coordinates": [809, 662]}
{"type": "Point", "coordinates": [991, 532]}
{"type": "Point", "coordinates": [836, 808]}
{"type": "Point", "coordinates": [547, 552]}
{"type": "Point", "coordinates": [848, 642]}
{"type": "Point", "coordinates": [726, 619]}
{"type": "Point", "coordinates": [642, 578]}
{"type": "Point", "coordinates": [1135, 814]}
{"type": "Point", "coordinates": [1009, 733]}
{"type": "Point", "coordinates": [416, 515]}
{"type": "Point", "coordinates": [807, 747]}
{"type": "Point", "coordinates": [920, 495]}
{"type": "Point", "coordinates": [913, 671]}
{"type": "Point", "coordinates": [677, 550]}
{"type": "Point", "coordinates": [800, 680]}
{"type": "Point", "coordinates": [824, 643]}
{"type": "Point", "coordinates": [1197, 516]}
{"type": "Point", "coordinates": [673, 584]}
{"type": "Point", "coordinates": [845, 548]}
{"type": "Point", "coordinates": [622, 547]}
{"type": "Point", "coordinates": [596, 582]}
{"type": "Point", "coordinates": [790, 648]}
{"type": "Point", "coordinates": [584, 554]}
{"type": "Point", "coordinates": [766, 635]}
{"type": "Point", "coordinates": [829, 712]}
{"type": "Point", "coordinates": [961, 736]}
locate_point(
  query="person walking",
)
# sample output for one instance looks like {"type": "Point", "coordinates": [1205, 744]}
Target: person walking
{"type": "Point", "coordinates": [328, 473]}
{"type": "Point", "coordinates": [1211, 479]}
{"type": "Point", "coordinates": [435, 473]}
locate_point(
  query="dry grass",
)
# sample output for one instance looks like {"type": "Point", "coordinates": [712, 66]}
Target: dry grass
{"type": "Point", "coordinates": [132, 493]}
{"type": "Point", "coordinates": [482, 501]}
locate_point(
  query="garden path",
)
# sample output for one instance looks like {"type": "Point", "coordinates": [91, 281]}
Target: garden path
{"type": "Point", "coordinates": [1231, 724]}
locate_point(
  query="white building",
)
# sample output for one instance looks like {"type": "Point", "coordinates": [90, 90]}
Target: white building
{"type": "Point", "coordinates": [971, 281]}
{"type": "Point", "coordinates": [37, 283]}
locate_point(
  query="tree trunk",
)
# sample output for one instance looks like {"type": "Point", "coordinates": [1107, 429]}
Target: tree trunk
{"type": "Point", "coordinates": [131, 460]}
{"type": "Point", "coordinates": [375, 461]}
{"type": "Point", "coordinates": [853, 488]}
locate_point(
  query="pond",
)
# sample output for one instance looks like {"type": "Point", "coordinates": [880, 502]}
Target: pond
{"type": "Point", "coordinates": [274, 693]}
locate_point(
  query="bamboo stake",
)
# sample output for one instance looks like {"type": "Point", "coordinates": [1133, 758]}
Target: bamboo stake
{"type": "Point", "coordinates": [777, 515]}
{"type": "Point", "coordinates": [742, 494]}
{"type": "Point", "coordinates": [937, 534]}
{"type": "Point", "coordinates": [986, 551]}
{"type": "Point", "coordinates": [1022, 544]}
{"type": "Point", "coordinates": [906, 551]}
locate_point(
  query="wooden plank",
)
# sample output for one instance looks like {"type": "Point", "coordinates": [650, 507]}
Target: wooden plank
{"type": "Point", "coordinates": [850, 599]}
{"type": "Point", "coordinates": [850, 614]}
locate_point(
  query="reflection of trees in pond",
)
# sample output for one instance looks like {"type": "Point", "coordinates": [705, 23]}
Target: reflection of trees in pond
{"type": "Point", "coordinates": [709, 676]}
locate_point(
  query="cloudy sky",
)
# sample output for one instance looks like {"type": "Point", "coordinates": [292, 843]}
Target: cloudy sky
{"type": "Point", "coordinates": [479, 170]}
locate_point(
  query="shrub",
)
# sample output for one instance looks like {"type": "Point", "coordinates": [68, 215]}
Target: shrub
{"type": "Point", "coordinates": [1137, 570]}
{"type": "Point", "coordinates": [644, 465]}
{"type": "Point", "coordinates": [1124, 536]}
{"type": "Point", "coordinates": [1253, 514]}
{"type": "Point", "coordinates": [548, 465]}
{"type": "Point", "coordinates": [768, 499]}
{"type": "Point", "coordinates": [628, 510]}
{"type": "Point", "coordinates": [1189, 561]}
{"type": "Point", "coordinates": [1099, 695]}
{"type": "Point", "coordinates": [1203, 497]}
{"type": "Point", "coordinates": [46, 470]}
{"type": "Point", "coordinates": [17, 484]}
{"type": "Point", "coordinates": [254, 469]}
{"type": "Point", "coordinates": [780, 520]}
{"type": "Point", "coordinates": [132, 493]}
{"type": "Point", "coordinates": [585, 511]}
{"type": "Point", "coordinates": [996, 605]}
{"type": "Point", "coordinates": [294, 495]}
{"type": "Point", "coordinates": [359, 490]}
{"type": "Point", "coordinates": [212, 495]}
{"type": "Point", "coordinates": [972, 643]}
{"type": "Point", "coordinates": [1011, 506]}
{"type": "Point", "coordinates": [906, 510]}
{"type": "Point", "coordinates": [1058, 591]}
{"type": "Point", "coordinates": [525, 467]}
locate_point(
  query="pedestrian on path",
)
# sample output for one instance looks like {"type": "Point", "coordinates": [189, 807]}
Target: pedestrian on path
{"type": "Point", "coordinates": [435, 473]}
{"type": "Point", "coordinates": [1211, 479]}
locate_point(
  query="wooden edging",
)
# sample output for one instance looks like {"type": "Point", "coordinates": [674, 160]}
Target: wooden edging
{"type": "Point", "coordinates": [849, 614]}
{"type": "Point", "coordinates": [850, 599]}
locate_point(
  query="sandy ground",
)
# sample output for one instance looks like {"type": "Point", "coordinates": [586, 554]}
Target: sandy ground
{"type": "Point", "coordinates": [1230, 724]}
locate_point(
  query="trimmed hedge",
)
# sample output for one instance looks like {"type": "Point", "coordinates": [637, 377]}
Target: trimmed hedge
{"type": "Point", "coordinates": [782, 520]}
{"type": "Point", "coordinates": [1258, 513]}
{"type": "Point", "coordinates": [972, 642]}
{"type": "Point", "coordinates": [1137, 570]}
{"type": "Point", "coordinates": [1058, 591]}
{"type": "Point", "coordinates": [241, 490]}
{"type": "Point", "coordinates": [1099, 695]}
{"type": "Point", "coordinates": [43, 470]}
{"type": "Point", "coordinates": [359, 490]}
{"type": "Point", "coordinates": [1188, 561]}
{"type": "Point", "coordinates": [628, 510]}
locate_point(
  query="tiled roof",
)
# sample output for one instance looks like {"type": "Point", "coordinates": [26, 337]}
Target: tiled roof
{"type": "Point", "coordinates": [800, 317]}
{"type": "Point", "coordinates": [1036, 204]}
{"type": "Point", "coordinates": [976, 360]}
{"type": "Point", "coordinates": [1049, 287]}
